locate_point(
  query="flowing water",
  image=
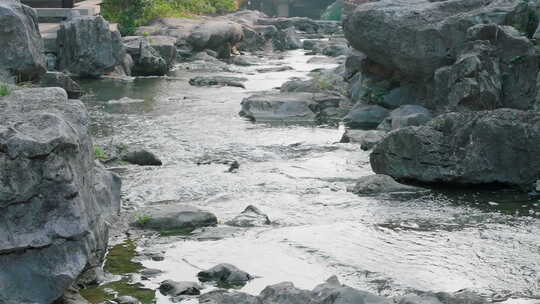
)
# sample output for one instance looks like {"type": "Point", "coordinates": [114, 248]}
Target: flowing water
{"type": "Point", "coordinates": [446, 240]}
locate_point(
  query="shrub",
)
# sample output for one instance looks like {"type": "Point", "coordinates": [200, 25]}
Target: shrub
{"type": "Point", "coordinates": [130, 14]}
{"type": "Point", "coordinates": [4, 90]}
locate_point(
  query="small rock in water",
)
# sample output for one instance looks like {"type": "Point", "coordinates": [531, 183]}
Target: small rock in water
{"type": "Point", "coordinates": [250, 217]}
{"type": "Point", "coordinates": [234, 166]}
{"type": "Point", "coordinates": [275, 69]}
{"type": "Point", "coordinates": [493, 203]}
{"type": "Point", "coordinates": [141, 157]}
{"type": "Point", "coordinates": [226, 297]}
{"type": "Point", "coordinates": [225, 275]}
{"type": "Point", "coordinates": [201, 81]}
{"type": "Point", "coordinates": [173, 288]}
{"type": "Point", "coordinates": [174, 219]}
{"type": "Point", "coordinates": [379, 184]}
{"type": "Point", "coordinates": [148, 273]}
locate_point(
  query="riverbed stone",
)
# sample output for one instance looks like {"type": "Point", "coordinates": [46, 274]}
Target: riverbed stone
{"type": "Point", "coordinates": [219, 36]}
{"type": "Point", "coordinates": [173, 218]}
{"type": "Point", "coordinates": [469, 148]}
{"type": "Point", "coordinates": [288, 107]}
{"type": "Point", "coordinates": [285, 292]}
{"type": "Point", "coordinates": [225, 275]}
{"type": "Point", "coordinates": [366, 139]}
{"type": "Point", "coordinates": [88, 48]}
{"type": "Point", "coordinates": [228, 297]}
{"type": "Point", "coordinates": [164, 47]}
{"type": "Point", "coordinates": [173, 288]}
{"type": "Point", "coordinates": [54, 222]}
{"type": "Point", "coordinates": [365, 117]}
{"type": "Point", "coordinates": [21, 52]}
{"type": "Point", "coordinates": [405, 116]}
{"type": "Point", "coordinates": [332, 291]}
{"type": "Point", "coordinates": [205, 81]}
{"type": "Point", "coordinates": [380, 184]}
{"type": "Point", "coordinates": [250, 217]}
{"type": "Point", "coordinates": [141, 157]}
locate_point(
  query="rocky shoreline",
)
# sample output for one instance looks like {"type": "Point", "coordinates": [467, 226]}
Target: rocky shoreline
{"type": "Point", "coordinates": [450, 98]}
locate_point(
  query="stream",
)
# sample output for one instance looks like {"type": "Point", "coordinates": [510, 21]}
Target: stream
{"type": "Point", "coordinates": [446, 240]}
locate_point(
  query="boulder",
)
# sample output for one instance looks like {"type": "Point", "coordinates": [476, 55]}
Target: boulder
{"type": "Point", "coordinates": [173, 218]}
{"type": "Point", "coordinates": [57, 79]}
{"type": "Point", "coordinates": [365, 117]}
{"type": "Point", "coordinates": [88, 48]}
{"type": "Point", "coordinates": [380, 184]}
{"type": "Point", "coordinates": [22, 48]}
{"type": "Point", "coordinates": [219, 36]}
{"type": "Point", "coordinates": [294, 107]}
{"type": "Point", "coordinates": [163, 45]}
{"type": "Point", "coordinates": [140, 157]}
{"type": "Point", "coordinates": [285, 293]}
{"type": "Point", "coordinates": [366, 139]}
{"type": "Point", "coordinates": [227, 297]}
{"type": "Point", "coordinates": [472, 148]}
{"type": "Point", "coordinates": [333, 292]}
{"type": "Point", "coordinates": [288, 107]}
{"type": "Point", "coordinates": [405, 116]}
{"type": "Point", "coordinates": [147, 61]}
{"type": "Point", "coordinates": [250, 217]}
{"type": "Point", "coordinates": [419, 36]}
{"type": "Point", "coordinates": [493, 70]}
{"type": "Point", "coordinates": [55, 203]}
{"type": "Point", "coordinates": [173, 288]}
{"type": "Point", "coordinates": [286, 39]}
{"type": "Point", "coordinates": [225, 275]}
{"type": "Point", "coordinates": [205, 81]}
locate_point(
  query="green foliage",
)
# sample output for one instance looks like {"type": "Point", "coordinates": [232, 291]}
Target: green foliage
{"type": "Point", "coordinates": [120, 259]}
{"type": "Point", "coordinates": [142, 220]}
{"type": "Point", "coordinates": [100, 154]}
{"type": "Point", "coordinates": [374, 95]}
{"type": "Point", "coordinates": [102, 293]}
{"type": "Point", "coordinates": [130, 14]}
{"type": "Point", "coordinates": [4, 90]}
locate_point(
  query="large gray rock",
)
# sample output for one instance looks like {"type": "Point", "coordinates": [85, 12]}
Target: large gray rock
{"type": "Point", "coordinates": [173, 218]}
{"type": "Point", "coordinates": [219, 36]}
{"type": "Point", "coordinates": [366, 139]}
{"type": "Point", "coordinates": [417, 37]}
{"type": "Point", "coordinates": [55, 204]}
{"type": "Point", "coordinates": [225, 275]}
{"type": "Point", "coordinates": [405, 116]}
{"type": "Point", "coordinates": [164, 46]}
{"type": "Point", "coordinates": [294, 107]}
{"type": "Point", "coordinates": [147, 61]}
{"type": "Point", "coordinates": [494, 69]}
{"type": "Point", "coordinates": [365, 117]}
{"type": "Point", "coordinates": [285, 293]}
{"type": "Point", "coordinates": [486, 147]}
{"type": "Point", "coordinates": [88, 48]}
{"type": "Point", "coordinates": [173, 288]}
{"type": "Point", "coordinates": [227, 297]}
{"type": "Point", "coordinates": [21, 52]}
{"type": "Point", "coordinates": [333, 292]}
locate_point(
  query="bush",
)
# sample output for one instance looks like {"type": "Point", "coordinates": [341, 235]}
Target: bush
{"type": "Point", "coordinates": [4, 90]}
{"type": "Point", "coordinates": [130, 14]}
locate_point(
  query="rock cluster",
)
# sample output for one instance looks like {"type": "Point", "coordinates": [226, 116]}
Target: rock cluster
{"type": "Point", "coordinates": [55, 202]}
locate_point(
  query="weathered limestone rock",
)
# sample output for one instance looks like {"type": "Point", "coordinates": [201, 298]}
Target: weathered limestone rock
{"type": "Point", "coordinates": [21, 52]}
{"type": "Point", "coordinates": [419, 36]}
{"type": "Point", "coordinates": [88, 48]}
{"type": "Point", "coordinates": [486, 147]}
{"type": "Point", "coordinates": [55, 202]}
{"type": "Point", "coordinates": [219, 36]}
{"type": "Point", "coordinates": [250, 217]}
{"type": "Point", "coordinates": [147, 61]}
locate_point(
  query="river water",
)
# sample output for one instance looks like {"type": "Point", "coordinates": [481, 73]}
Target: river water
{"type": "Point", "coordinates": [446, 240]}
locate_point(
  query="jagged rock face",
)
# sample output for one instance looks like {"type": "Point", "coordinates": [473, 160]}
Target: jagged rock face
{"type": "Point", "coordinates": [87, 47]}
{"type": "Point", "coordinates": [486, 147]}
{"type": "Point", "coordinates": [495, 69]}
{"type": "Point", "coordinates": [21, 51]}
{"type": "Point", "coordinates": [54, 201]}
{"type": "Point", "coordinates": [417, 37]}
